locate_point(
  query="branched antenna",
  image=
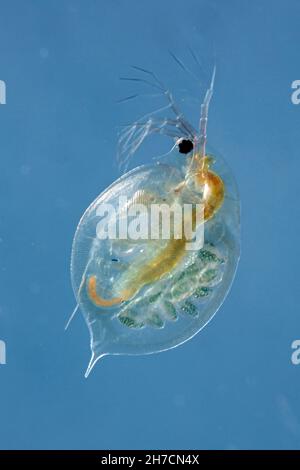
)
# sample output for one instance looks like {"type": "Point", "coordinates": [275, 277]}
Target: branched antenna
{"type": "Point", "coordinates": [184, 67]}
{"type": "Point", "coordinates": [204, 115]}
{"type": "Point", "coordinates": [200, 146]}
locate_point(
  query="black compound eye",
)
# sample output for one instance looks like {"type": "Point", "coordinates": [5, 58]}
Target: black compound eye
{"type": "Point", "coordinates": [185, 146]}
